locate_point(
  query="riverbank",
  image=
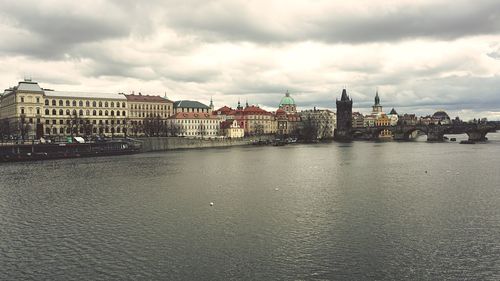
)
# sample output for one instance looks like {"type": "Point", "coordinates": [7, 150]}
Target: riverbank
{"type": "Point", "coordinates": [173, 143]}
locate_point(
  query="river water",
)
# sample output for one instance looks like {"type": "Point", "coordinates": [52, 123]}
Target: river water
{"type": "Point", "coordinates": [359, 211]}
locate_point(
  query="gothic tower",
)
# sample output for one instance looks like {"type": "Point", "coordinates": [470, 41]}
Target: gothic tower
{"type": "Point", "coordinates": [344, 118]}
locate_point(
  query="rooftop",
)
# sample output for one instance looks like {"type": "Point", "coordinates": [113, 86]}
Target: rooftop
{"type": "Point", "coordinates": [192, 115]}
{"type": "Point", "coordinates": [147, 98]}
{"type": "Point", "coordinates": [190, 104]}
{"type": "Point", "coordinates": [64, 94]}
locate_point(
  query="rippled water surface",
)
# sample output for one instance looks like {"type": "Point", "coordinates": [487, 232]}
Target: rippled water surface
{"type": "Point", "coordinates": [360, 211]}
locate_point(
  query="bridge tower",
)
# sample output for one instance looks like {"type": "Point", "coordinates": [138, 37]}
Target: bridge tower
{"type": "Point", "coordinates": [343, 131]}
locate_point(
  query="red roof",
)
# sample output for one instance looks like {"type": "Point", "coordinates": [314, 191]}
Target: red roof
{"type": "Point", "coordinates": [254, 110]}
{"type": "Point", "coordinates": [192, 115]}
{"type": "Point", "coordinates": [147, 98]}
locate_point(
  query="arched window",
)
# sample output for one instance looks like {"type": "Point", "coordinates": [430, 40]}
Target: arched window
{"type": "Point", "coordinates": [123, 104]}
{"type": "Point", "coordinates": [112, 113]}
{"type": "Point", "coordinates": [118, 113]}
{"type": "Point", "coordinates": [54, 112]}
{"type": "Point", "coordinates": [100, 112]}
{"type": "Point", "coordinates": [67, 102]}
{"type": "Point", "coordinates": [106, 112]}
{"type": "Point", "coordinates": [117, 104]}
{"type": "Point", "coordinates": [54, 131]}
{"type": "Point", "coordinates": [54, 102]}
{"type": "Point", "coordinates": [80, 103]}
{"type": "Point", "coordinates": [61, 130]}
{"type": "Point", "coordinates": [61, 112]}
{"type": "Point", "coordinates": [87, 112]}
{"type": "Point", "coordinates": [74, 103]}
{"type": "Point", "coordinates": [94, 112]}
{"type": "Point", "coordinates": [80, 112]}
{"type": "Point", "coordinates": [61, 103]}
{"type": "Point", "coordinates": [100, 104]}
{"type": "Point", "coordinates": [87, 103]}
{"type": "Point", "coordinates": [46, 102]}
{"type": "Point", "coordinates": [112, 130]}
{"type": "Point", "coordinates": [73, 112]}
{"type": "Point", "coordinates": [118, 130]}
{"type": "Point", "coordinates": [94, 104]}
{"type": "Point", "coordinates": [123, 113]}
{"type": "Point", "coordinates": [47, 112]}
{"type": "Point", "coordinates": [68, 130]}
{"type": "Point", "coordinates": [107, 130]}
{"type": "Point", "coordinates": [112, 104]}
{"type": "Point", "coordinates": [105, 104]}
{"type": "Point", "coordinates": [67, 112]}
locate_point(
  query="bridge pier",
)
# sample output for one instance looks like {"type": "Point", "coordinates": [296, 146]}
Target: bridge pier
{"type": "Point", "coordinates": [401, 136]}
{"type": "Point", "coordinates": [477, 136]}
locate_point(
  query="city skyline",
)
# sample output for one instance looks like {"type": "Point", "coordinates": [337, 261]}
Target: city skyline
{"type": "Point", "coordinates": [421, 56]}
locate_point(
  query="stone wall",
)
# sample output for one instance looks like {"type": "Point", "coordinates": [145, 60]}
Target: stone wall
{"type": "Point", "coordinates": [172, 143]}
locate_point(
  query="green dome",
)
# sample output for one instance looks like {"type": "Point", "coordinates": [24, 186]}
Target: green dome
{"type": "Point", "coordinates": [287, 100]}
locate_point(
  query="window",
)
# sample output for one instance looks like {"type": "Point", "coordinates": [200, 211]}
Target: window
{"type": "Point", "coordinates": [22, 99]}
{"type": "Point", "coordinates": [117, 104]}
{"type": "Point", "coordinates": [67, 112]}
{"type": "Point", "coordinates": [100, 112]}
{"type": "Point", "coordinates": [54, 121]}
{"type": "Point", "coordinates": [80, 112]}
{"type": "Point", "coordinates": [123, 104]}
{"type": "Point", "coordinates": [61, 112]}
{"type": "Point", "coordinates": [100, 104]}
{"type": "Point", "coordinates": [112, 113]}
{"type": "Point", "coordinates": [123, 113]}
{"type": "Point", "coordinates": [118, 113]}
{"type": "Point", "coordinates": [46, 102]}
{"type": "Point", "coordinates": [87, 103]}
{"type": "Point", "coordinates": [94, 112]}
{"type": "Point", "coordinates": [74, 103]}
{"type": "Point", "coordinates": [47, 112]}
{"type": "Point", "coordinates": [61, 130]}
{"type": "Point", "coordinates": [54, 131]}
{"type": "Point", "coordinates": [38, 110]}
{"type": "Point", "coordinates": [80, 103]}
{"type": "Point", "coordinates": [106, 112]}
{"type": "Point", "coordinates": [22, 110]}
{"type": "Point", "coordinates": [67, 102]}
{"type": "Point", "coordinates": [61, 103]}
{"type": "Point", "coordinates": [54, 102]}
{"type": "Point", "coordinates": [106, 104]}
{"type": "Point", "coordinates": [61, 122]}
{"type": "Point", "coordinates": [94, 104]}
{"type": "Point", "coordinates": [112, 104]}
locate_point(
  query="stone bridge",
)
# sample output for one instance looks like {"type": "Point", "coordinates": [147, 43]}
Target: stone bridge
{"type": "Point", "coordinates": [476, 132]}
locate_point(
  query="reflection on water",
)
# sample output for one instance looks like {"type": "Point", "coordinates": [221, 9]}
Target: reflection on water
{"type": "Point", "coordinates": [359, 211]}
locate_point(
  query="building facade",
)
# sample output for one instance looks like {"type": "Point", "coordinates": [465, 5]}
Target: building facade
{"type": "Point", "coordinates": [193, 124]}
{"type": "Point", "coordinates": [148, 114]}
{"type": "Point", "coordinates": [32, 112]}
{"type": "Point", "coordinates": [323, 120]}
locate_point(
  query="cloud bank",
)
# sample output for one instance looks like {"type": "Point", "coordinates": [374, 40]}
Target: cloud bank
{"type": "Point", "coordinates": [421, 55]}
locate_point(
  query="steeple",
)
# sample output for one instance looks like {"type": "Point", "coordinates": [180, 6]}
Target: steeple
{"type": "Point", "coordinates": [211, 104]}
{"type": "Point", "coordinates": [377, 99]}
{"type": "Point", "coordinates": [344, 97]}
{"type": "Point", "coordinates": [239, 105]}
{"type": "Point", "coordinates": [246, 103]}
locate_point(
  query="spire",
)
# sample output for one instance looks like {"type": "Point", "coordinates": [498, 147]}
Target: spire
{"type": "Point", "coordinates": [377, 99]}
{"type": "Point", "coordinates": [246, 103]}
{"type": "Point", "coordinates": [287, 93]}
{"type": "Point", "coordinates": [211, 103]}
{"type": "Point", "coordinates": [344, 95]}
{"type": "Point", "coordinates": [165, 96]}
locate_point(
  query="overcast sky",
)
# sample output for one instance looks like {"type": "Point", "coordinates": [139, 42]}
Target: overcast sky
{"type": "Point", "coordinates": [421, 55]}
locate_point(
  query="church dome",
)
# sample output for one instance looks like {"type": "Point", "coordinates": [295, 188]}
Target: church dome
{"type": "Point", "coordinates": [287, 100]}
{"type": "Point", "coordinates": [441, 115]}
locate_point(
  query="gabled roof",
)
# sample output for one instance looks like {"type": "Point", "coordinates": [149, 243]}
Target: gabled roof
{"type": "Point", "coordinates": [189, 104]}
{"type": "Point", "coordinates": [393, 112]}
{"type": "Point", "coordinates": [147, 98]}
{"type": "Point", "coordinates": [255, 110]}
{"type": "Point", "coordinates": [225, 110]}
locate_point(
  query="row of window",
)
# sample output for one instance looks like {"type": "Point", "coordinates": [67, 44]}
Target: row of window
{"type": "Point", "coordinates": [81, 130]}
{"type": "Point", "coordinates": [87, 103]}
{"type": "Point", "coordinates": [80, 112]}
{"type": "Point", "coordinates": [81, 122]}
{"type": "Point", "coordinates": [152, 107]}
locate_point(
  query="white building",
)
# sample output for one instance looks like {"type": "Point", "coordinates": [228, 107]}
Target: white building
{"type": "Point", "coordinates": [194, 124]}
